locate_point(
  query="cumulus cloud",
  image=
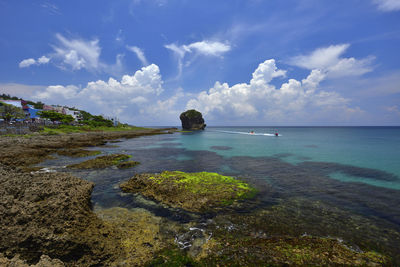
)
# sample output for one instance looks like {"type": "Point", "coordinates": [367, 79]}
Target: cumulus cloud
{"type": "Point", "coordinates": [329, 59]}
{"type": "Point", "coordinates": [388, 5]}
{"type": "Point", "coordinates": [140, 99]}
{"type": "Point", "coordinates": [205, 48]}
{"type": "Point", "coordinates": [259, 100]}
{"type": "Point", "coordinates": [139, 53]}
{"type": "Point", "coordinates": [111, 97]}
{"type": "Point", "coordinates": [31, 61]}
{"type": "Point", "coordinates": [27, 62]}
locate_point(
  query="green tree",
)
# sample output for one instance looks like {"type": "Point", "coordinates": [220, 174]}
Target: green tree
{"type": "Point", "coordinates": [38, 105]}
{"type": "Point", "coordinates": [55, 116]}
{"type": "Point", "coordinates": [11, 112]}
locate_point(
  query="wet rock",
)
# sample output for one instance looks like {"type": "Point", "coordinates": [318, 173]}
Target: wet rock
{"type": "Point", "coordinates": [49, 213]}
{"type": "Point", "coordinates": [127, 164]}
{"type": "Point", "coordinates": [192, 120]}
{"type": "Point", "coordinates": [140, 234]}
{"type": "Point", "coordinates": [197, 192]}
{"type": "Point", "coordinates": [25, 151]}
{"type": "Point", "coordinates": [45, 261]}
{"type": "Point", "coordinates": [103, 162]}
{"type": "Point", "coordinates": [77, 153]}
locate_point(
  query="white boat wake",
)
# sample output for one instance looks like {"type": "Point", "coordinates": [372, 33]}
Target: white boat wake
{"type": "Point", "coordinates": [247, 133]}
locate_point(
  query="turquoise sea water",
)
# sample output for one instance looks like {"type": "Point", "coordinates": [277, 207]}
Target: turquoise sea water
{"type": "Point", "coordinates": [326, 181]}
{"type": "Point", "coordinates": [366, 147]}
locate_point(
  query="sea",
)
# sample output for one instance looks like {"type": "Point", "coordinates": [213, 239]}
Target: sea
{"type": "Point", "coordinates": [341, 182]}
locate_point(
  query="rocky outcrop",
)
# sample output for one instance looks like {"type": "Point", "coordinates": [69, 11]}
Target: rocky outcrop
{"type": "Point", "coordinates": [50, 214]}
{"type": "Point", "coordinates": [198, 192]}
{"type": "Point", "coordinates": [192, 120]}
{"type": "Point", "coordinates": [45, 261]}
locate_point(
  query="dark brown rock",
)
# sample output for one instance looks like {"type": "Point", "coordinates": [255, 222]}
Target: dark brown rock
{"type": "Point", "coordinates": [192, 120]}
{"type": "Point", "coordinates": [50, 213]}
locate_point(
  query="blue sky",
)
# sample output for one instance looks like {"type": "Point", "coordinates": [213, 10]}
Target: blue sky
{"type": "Point", "coordinates": [249, 62]}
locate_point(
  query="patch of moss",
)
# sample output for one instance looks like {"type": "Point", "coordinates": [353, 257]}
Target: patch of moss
{"type": "Point", "coordinates": [101, 162]}
{"type": "Point", "coordinates": [172, 258]}
{"type": "Point", "coordinates": [201, 191]}
{"type": "Point", "coordinates": [192, 113]}
{"type": "Point", "coordinates": [140, 237]}
{"type": "Point", "coordinates": [247, 240]}
{"type": "Point", "coordinates": [127, 164]}
{"type": "Point", "coordinates": [285, 250]}
{"type": "Point", "coordinates": [77, 153]}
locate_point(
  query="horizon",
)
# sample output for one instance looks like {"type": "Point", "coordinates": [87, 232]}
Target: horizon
{"type": "Point", "coordinates": [307, 63]}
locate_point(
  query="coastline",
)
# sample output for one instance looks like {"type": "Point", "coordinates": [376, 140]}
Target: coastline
{"type": "Point", "coordinates": [102, 238]}
{"type": "Point", "coordinates": [47, 217]}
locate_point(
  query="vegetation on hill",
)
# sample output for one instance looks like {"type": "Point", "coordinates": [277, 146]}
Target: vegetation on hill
{"type": "Point", "coordinates": [9, 112]}
{"type": "Point", "coordinates": [89, 122]}
{"type": "Point", "coordinates": [55, 116]}
{"type": "Point", "coordinates": [37, 105]}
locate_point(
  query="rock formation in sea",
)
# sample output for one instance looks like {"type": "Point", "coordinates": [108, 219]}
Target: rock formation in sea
{"type": "Point", "coordinates": [192, 120]}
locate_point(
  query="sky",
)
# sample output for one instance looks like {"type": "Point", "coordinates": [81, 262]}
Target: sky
{"type": "Point", "coordinates": [239, 62]}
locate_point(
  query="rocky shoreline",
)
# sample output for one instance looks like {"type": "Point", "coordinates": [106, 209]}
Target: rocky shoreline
{"type": "Point", "coordinates": [47, 220]}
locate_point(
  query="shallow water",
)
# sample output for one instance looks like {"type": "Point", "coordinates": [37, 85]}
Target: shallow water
{"type": "Point", "coordinates": [330, 181]}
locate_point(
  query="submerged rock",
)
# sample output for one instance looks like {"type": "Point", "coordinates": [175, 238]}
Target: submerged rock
{"type": "Point", "coordinates": [141, 234]}
{"type": "Point", "coordinates": [78, 153]}
{"type": "Point", "coordinates": [192, 120]}
{"type": "Point", "coordinates": [199, 192]}
{"type": "Point", "coordinates": [127, 164]}
{"type": "Point", "coordinates": [104, 162]}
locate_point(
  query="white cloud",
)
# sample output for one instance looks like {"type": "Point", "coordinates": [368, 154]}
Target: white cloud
{"type": "Point", "coordinates": [205, 48]}
{"type": "Point", "coordinates": [329, 60]}
{"type": "Point", "coordinates": [294, 102]}
{"type": "Point", "coordinates": [388, 5]}
{"type": "Point", "coordinates": [208, 48]}
{"type": "Point", "coordinates": [27, 62]}
{"type": "Point", "coordinates": [139, 53]}
{"type": "Point", "coordinates": [43, 60]}
{"type": "Point", "coordinates": [394, 110]}
{"type": "Point", "coordinates": [112, 97]}
{"type": "Point", "coordinates": [78, 53]}
{"type": "Point", "coordinates": [51, 8]}
{"type": "Point", "coordinates": [30, 61]}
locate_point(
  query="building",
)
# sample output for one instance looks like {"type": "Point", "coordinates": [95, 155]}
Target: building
{"type": "Point", "coordinates": [74, 113]}
{"type": "Point", "coordinates": [31, 113]}
{"type": "Point", "coordinates": [55, 108]}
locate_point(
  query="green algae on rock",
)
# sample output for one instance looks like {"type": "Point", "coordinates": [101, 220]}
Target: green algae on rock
{"type": "Point", "coordinates": [78, 153]}
{"type": "Point", "coordinates": [101, 162]}
{"type": "Point", "coordinates": [198, 192]}
{"type": "Point", "coordinates": [140, 234]}
{"type": "Point", "coordinates": [127, 164]}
